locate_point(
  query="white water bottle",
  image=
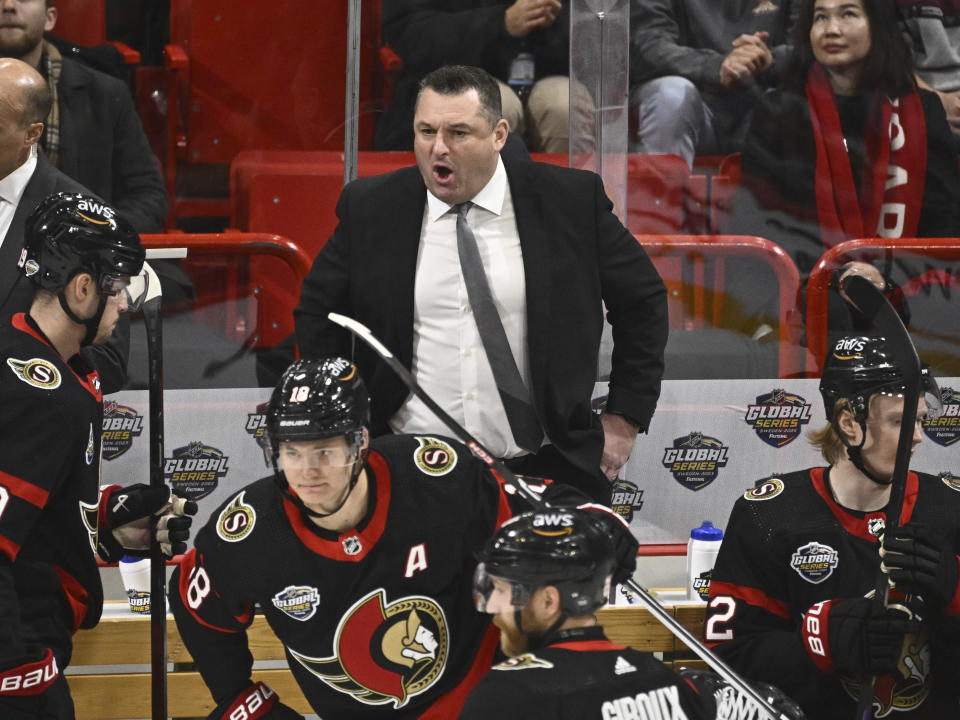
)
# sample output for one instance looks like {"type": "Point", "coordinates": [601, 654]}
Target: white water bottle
{"type": "Point", "coordinates": [135, 573]}
{"type": "Point", "coordinates": [702, 549]}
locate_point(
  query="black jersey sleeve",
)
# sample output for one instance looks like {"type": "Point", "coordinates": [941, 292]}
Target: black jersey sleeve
{"type": "Point", "coordinates": [39, 446]}
{"type": "Point", "coordinates": [503, 697]}
{"type": "Point", "coordinates": [748, 621]}
{"type": "Point", "coordinates": [212, 622]}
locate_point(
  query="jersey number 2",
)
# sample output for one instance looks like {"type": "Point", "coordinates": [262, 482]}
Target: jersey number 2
{"type": "Point", "coordinates": [711, 633]}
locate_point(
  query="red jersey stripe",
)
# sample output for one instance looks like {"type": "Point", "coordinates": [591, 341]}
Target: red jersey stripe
{"type": "Point", "coordinates": [9, 548]}
{"type": "Point", "coordinates": [75, 594]}
{"type": "Point", "coordinates": [751, 596]}
{"type": "Point", "coordinates": [24, 490]}
{"type": "Point", "coordinates": [588, 645]}
{"type": "Point", "coordinates": [451, 702]}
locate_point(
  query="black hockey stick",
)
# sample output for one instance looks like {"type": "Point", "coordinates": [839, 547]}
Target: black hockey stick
{"type": "Point", "coordinates": [658, 611]}
{"type": "Point", "coordinates": [866, 298]}
{"type": "Point", "coordinates": [158, 572]}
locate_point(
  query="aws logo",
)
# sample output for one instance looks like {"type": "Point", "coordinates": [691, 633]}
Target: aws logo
{"type": "Point", "coordinates": [778, 417]}
{"type": "Point", "coordinates": [121, 425]}
{"type": "Point", "coordinates": [385, 653]}
{"type": "Point", "coordinates": [105, 212]}
{"type": "Point", "coordinates": [434, 457]}
{"type": "Point", "coordinates": [848, 348]}
{"type": "Point", "coordinates": [552, 524]}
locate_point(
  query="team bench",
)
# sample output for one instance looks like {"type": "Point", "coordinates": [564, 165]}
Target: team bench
{"type": "Point", "coordinates": [116, 693]}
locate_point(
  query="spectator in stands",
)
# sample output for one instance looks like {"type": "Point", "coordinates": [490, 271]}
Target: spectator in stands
{"type": "Point", "coordinates": [696, 67]}
{"type": "Point", "coordinates": [26, 178]}
{"type": "Point", "coordinates": [550, 249]}
{"type": "Point", "coordinates": [820, 151]}
{"type": "Point", "coordinates": [93, 133]}
{"type": "Point", "coordinates": [933, 30]}
{"type": "Point", "coordinates": [523, 44]}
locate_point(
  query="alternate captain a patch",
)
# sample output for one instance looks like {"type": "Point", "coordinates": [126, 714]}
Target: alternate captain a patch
{"type": "Point", "coordinates": [37, 372]}
{"type": "Point", "coordinates": [434, 457]}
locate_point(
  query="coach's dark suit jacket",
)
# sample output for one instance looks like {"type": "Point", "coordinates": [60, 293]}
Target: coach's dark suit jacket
{"type": "Point", "coordinates": [575, 252]}
{"type": "Point", "coordinates": [16, 290]}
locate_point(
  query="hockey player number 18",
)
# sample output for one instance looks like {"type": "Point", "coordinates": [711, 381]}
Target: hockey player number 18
{"type": "Point", "coordinates": [198, 588]}
{"type": "Point", "coordinates": [299, 393]}
{"type": "Point", "coordinates": [711, 633]}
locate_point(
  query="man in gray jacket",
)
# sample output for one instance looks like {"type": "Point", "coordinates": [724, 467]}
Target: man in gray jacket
{"type": "Point", "coordinates": [696, 67]}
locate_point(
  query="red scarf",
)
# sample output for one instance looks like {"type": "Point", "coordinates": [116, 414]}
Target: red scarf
{"type": "Point", "coordinates": [894, 168]}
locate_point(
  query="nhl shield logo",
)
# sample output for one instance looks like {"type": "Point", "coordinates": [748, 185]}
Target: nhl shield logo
{"type": "Point", "coordinates": [385, 653]}
{"type": "Point", "coordinates": [236, 520]}
{"type": "Point", "coordinates": [945, 430]}
{"type": "Point", "coordinates": [778, 417]}
{"type": "Point", "coordinates": [196, 469]}
{"type": "Point", "coordinates": [121, 424]}
{"type": "Point", "coordinates": [814, 562]}
{"type": "Point", "coordinates": [352, 545]}
{"type": "Point", "coordinates": [626, 499]}
{"type": "Point", "coordinates": [434, 457]}
{"type": "Point", "coordinates": [297, 601]}
{"type": "Point", "coordinates": [876, 524]}
{"type": "Point", "coordinates": [695, 460]}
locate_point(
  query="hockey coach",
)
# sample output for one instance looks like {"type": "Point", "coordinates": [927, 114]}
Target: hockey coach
{"type": "Point", "coordinates": [54, 517]}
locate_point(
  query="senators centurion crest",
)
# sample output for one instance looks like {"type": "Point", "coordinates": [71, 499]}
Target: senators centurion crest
{"type": "Point", "coordinates": [385, 652]}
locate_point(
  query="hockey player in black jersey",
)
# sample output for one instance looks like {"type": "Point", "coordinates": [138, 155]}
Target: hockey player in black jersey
{"type": "Point", "coordinates": [80, 255]}
{"type": "Point", "coordinates": [542, 576]}
{"type": "Point", "coordinates": [789, 593]}
{"type": "Point", "coordinates": [360, 555]}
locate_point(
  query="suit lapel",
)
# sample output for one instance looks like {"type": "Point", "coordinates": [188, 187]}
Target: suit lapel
{"type": "Point", "coordinates": [403, 223]}
{"type": "Point", "coordinates": [40, 185]}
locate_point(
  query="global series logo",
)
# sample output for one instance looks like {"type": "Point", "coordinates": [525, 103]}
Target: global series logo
{"type": "Point", "coordinates": [945, 430]}
{"type": "Point", "coordinates": [121, 424]}
{"type": "Point", "coordinates": [695, 459]}
{"type": "Point", "coordinates": [626, 499]}
{"type": "Point", "coordinates": [778, 417]}
{"type": "Point", "coordinates": [196, 469]}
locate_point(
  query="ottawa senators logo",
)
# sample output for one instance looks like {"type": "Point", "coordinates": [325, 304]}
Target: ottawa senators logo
{"type": "Point", "coordinates": [90, 515]}
{"type": "Point", "coordinates": [385, 653]}
{"type": "Point", "coordinates": [38, 372]}
{"type": "Point", "coordinates": [765, 489]}
{"type": "Point", "coordinates": [778, 417]}
{"type": "Point", "coordinates": [434, 457]}
{"type": "Point", "coordinates": [526, 661]}
{"type": "Point", "coordinates": [950, 480]}
{"type": "Point", "coordinates": [236, 520]}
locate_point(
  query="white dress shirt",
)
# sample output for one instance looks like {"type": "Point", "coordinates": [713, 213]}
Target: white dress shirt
{"type": "Point", "coordinates": [11, 190]}
{"type": "Point", "coordinates": [449, 361]}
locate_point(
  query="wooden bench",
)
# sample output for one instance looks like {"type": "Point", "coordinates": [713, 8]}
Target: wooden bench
{"type": "Point", "coordinates": [117, 693]}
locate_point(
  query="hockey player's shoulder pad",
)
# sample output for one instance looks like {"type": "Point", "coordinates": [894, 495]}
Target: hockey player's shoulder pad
{"type": "Point", "coordinates": [431, 456]}
{"type": "Point", "coordinates": [237, 519]}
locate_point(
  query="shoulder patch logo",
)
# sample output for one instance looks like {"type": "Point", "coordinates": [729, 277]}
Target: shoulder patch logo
{"type": "Point", "coordinates": [236, 520]}
{"type": "Point", "coordinates": [37, 372]}
{"type": "Point", "coordinates": [769, 488]}
{"type": "Point", "coordinates": [950, 480]}
{"type": "Point", "coordinates": [434, 457]}
{"type": "Point", "coordinates": [298, 601]}
{"type": "Point", "coordinates": [527, 661]}
{"type": "Point", "coordinates": [814, 562]}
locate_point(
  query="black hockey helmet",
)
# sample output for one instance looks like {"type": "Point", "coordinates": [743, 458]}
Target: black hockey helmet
{"type": "Point", "coordinates": [68, 233]}
{"type": "Point", "coordinates": [860, 366]}
{"type": "Point", "coordinates": [563, 547]}
{"type": "Point", "coordinates": [318, 399]}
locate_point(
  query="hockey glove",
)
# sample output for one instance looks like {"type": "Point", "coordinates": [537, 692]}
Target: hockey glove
{"type": "Point", "coordinates": [720, 700]}
{"type": "Point", "coordinates": [124, 522]}
{"type": "Point", "coordinates": [30, 678]}
{"type": "Point", "coordinates": [257, 701]}
{"type": "Point", "coordinates": [624, 543]}
{"type": "Point", "coordinates": [851, 636]}
{"type": "Point", "coordinates": [917, 561]}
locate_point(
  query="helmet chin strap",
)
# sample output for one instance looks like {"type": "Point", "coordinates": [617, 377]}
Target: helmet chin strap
{"type": "Point", "coordinates": [92, 324]}
{"type": "Point", "coordinates": [855, 453]}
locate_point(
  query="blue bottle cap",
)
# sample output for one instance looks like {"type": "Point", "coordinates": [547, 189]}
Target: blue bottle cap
{"type": "Point", "coordinates": [707, 532]}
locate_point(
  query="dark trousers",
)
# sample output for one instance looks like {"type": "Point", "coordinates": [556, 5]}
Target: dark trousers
{"type": "Point", "coordinates": [549, 463]}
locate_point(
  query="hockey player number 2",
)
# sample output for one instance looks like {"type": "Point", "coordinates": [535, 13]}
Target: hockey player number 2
{"type": "Point", "coordinates": [711, 633]}
{"type": "Point", "coordinates": [198, 588]}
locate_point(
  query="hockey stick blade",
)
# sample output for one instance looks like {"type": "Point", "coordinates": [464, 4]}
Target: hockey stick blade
{"type": "Point", "coordinates": [652, 604]}
{"type": "Point", "coordinates": [885, 321]}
